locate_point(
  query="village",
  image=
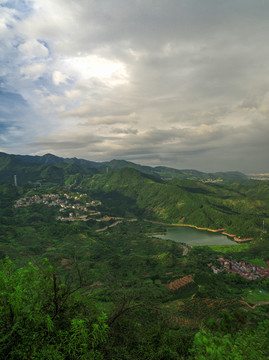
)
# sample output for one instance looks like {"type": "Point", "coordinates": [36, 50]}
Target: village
{"type": "Point", "coordinates": [248, 271]}
{"type": "Point", "coordinates": [72, 208]}
{"type": "Point", "coordinates": [76, 205]}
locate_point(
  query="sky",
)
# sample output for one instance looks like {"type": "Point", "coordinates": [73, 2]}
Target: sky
{"type": "Point", "coordinates": [178, 83]}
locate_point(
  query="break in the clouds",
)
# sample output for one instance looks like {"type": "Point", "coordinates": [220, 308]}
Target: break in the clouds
{"type": "Point", "coordinates": [177, 83]}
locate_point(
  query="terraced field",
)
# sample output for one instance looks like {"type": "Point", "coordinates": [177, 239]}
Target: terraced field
{"type": "Point", "coordinates": [178, 283]}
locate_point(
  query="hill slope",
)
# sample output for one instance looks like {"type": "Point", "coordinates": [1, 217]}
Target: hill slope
{"type": "Point", "coordinates": [159, 171]}
{"type": "Point", "coordinates": [41, 172]}
{"type": "Point", "coordinates": [239, 208]}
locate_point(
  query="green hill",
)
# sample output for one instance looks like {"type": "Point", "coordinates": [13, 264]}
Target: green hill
{"type": "Point", "coordinates": [71, 291]}
{"type": "Point", "coordinates": [102, 167]}
{"type": "Point", "coordinates": [32, 172]}
{"type": "Point", "coordinates": [239, 208]}
{"type": "Point", "coordinates": [185, 197]}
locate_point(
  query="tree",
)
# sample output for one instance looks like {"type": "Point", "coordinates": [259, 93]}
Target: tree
{"type": "Point", "coordinates": [247, 344]}
{"type": "Point", "coordinates": [40, 316]}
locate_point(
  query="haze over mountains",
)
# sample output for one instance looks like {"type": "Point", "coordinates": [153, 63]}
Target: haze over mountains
{"type": "Point", "coordinates": [225, 200]}
{"type": "Point", "coordinates": [50, 167]}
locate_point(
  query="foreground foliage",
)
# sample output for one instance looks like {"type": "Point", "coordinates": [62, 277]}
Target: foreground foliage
{"type": "Point", "coordinates": [248, 344]}
{"type": "Point", "coordinates": [42, 318]}
{"type": "Point", "coordinates": [105, 295]}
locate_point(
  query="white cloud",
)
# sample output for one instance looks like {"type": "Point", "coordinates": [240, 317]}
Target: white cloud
{"type": "Point", "coordinates": [111, 72]}
{"type": "Point", "coordinates": [190, 75]}
{"type": "Point", "coordinates": [33, 48]}
{"type": "Point", "coordinates": [7, 21]}
{"type": "Point", "coordinates": [33, 71]}
{"type": "Point", "coordinates": [59, 78]}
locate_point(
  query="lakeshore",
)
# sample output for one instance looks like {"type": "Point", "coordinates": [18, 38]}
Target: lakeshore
{"type": "Point", "coordinates": [222, 231]}
{"type": "Point", "coordinates": [195, 237]}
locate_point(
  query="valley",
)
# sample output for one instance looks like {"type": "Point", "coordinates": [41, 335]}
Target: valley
{"type": "Point", "coordinates": [79, 255]}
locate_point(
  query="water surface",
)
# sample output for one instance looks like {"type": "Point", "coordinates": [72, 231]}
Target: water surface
{"type": "Point", "coordinates": [193, 236]}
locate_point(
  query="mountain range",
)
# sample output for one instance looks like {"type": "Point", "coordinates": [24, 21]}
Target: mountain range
{"type": "Point", "coordinates": [55, 169]}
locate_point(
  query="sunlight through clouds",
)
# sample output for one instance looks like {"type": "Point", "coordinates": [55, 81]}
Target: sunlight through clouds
{"type": "Point", "coordinates": [148, 80]}
{"type": "Point", "coordinates": [59, 78]}
{"type": "Point", "coordinates": [110, 72]}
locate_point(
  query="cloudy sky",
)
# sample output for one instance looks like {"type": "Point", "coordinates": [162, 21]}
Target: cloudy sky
{"type": "Point", "coordinates": [180, 83]}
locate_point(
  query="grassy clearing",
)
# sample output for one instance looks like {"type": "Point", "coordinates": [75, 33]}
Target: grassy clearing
{"type": "Point", "coordinates": [258, 262]}
{"type": "Point", "coordinates": [256, 296]}
{"type": "Point", "coordinates": [229, 248]}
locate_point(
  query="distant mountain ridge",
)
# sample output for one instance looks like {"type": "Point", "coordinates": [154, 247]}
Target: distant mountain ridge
{"type": "Point", "coordinates": [129, 189]}
{"type": "Point", "coordinates": [51, 159]}
{"type": "Point", "coordinates": [32, 167]}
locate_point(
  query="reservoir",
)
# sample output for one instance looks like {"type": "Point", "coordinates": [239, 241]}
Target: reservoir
{"type": "Point", "coordinates": [193, 236]}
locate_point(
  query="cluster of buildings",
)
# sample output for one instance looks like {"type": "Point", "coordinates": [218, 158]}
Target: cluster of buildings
{"type": "Point", "coordinates": [248, 271]}
{"type": "Point", "coordinates": [72, 207]}
{"type": "Point", "coordinates": [71, 203]}
{"type": "Point", "coordinates": [212, 181]}
{"type": "Point", "coordinates": [264, 177]}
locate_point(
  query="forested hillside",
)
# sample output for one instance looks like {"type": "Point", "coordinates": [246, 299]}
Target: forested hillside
{"type": "Point", "coordinates": [239, 208]}
{"type": "Point", "coordinates": [57, 168]}
{"type": "Point", "coordinates": [82, 277]}
{"type": "Point", "coordinates": [32, 172]}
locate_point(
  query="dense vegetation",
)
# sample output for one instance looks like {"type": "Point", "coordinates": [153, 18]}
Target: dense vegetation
{"type": "Point", "coordinates": [239, 208]}
{"type": "Point", "coordinates": [68, 291]}
{"type": "Point", "coordinates": [51, 168]}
